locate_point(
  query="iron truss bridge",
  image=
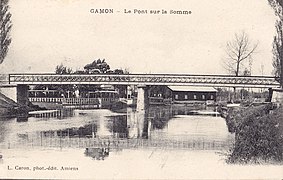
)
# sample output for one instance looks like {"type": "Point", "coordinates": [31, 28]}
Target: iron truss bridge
{"type": "Point", "coordinates": [147, 79]}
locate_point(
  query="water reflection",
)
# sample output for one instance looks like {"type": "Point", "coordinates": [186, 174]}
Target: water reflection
{"type": "Point", "coordinates": [97, 153]}
{"type": "Point", "coordinates": [22, 118]}
{"type": "Point", "coordinates": [58, 113]}
{"type": "Point", "coordinates": [118, 126]}
{"type": "Point", "coordinates": [89, 130]}
{"type": "Point", "coordinates": [166, 124]}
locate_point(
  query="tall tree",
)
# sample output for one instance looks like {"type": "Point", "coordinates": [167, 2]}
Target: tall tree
{"type": "Point", "coordinates": [278, 40]}
{"type": "Point", "coordinates": [5, 28]}
{"type": "Point", "coordinates": [277, 51]}
{"type": "Point", "coordinates": [238, 50]}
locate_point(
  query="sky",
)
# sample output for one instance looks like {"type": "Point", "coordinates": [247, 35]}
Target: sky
{"type": "Point", "coordinates": [50, 32]}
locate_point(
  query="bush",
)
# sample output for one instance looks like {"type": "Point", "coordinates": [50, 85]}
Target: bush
{"type": "Point", "coordinates": [258, 135]}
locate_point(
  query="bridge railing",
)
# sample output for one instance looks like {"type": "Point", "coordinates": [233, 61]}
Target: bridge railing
{"type": "Point", "coordinates": [45, 99]}
{"type": "Point", "coordinates": [80, 101]}
{"type": "Point", "coordinates": [74, 101]}
{"type": "Point", "coordinates": [67, 101]}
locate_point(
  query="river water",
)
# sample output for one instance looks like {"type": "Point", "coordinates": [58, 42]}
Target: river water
{"type": "Point", "coordinates": [162, 142]}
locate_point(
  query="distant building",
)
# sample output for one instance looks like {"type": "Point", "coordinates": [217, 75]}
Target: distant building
{"type": "Point", "coordinates": [182, 94]}
{"type": "Point", "coordinates": [193, 93]}
{"type": "Point", "coordinates": [160, 95]}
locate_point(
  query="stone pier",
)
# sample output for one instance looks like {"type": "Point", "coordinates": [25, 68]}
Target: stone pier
{"type": "Point", "coordinates": [142, 101]}
{"type": "Point", "coordinates": [277, 96]}
{"type": "Point", "coordinates": [22, 95]}
{"type": "Point", "coordinates": [142, 106]}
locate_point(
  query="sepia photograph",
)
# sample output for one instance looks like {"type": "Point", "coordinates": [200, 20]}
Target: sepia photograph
{"type": "Point", "coordinates": [141, 89]}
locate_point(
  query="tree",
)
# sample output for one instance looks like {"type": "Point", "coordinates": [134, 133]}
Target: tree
{"type": "Point", "coordinates": [238, 51]}
{"type": "Point", "coordinates": [247, 72]}
{"type": "Point", "coordinates": [278, 40]}
{"type": "Point", "coordinates": [5, 28]}
{"type": "Point", "coordinates": [97, 66]}
{"type": "Point", "coordinates": [278, 7]}
{"type": "Point", "coordinates": [61, 69]}
{"type": "Point", "coordinates": [277, 51]}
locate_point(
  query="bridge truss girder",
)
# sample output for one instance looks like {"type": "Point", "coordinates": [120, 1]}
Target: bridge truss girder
{"type": "Point", "coordinates": [147, 79]}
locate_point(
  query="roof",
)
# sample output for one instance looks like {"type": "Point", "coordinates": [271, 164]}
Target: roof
{"type": "Point", "coordinates": [192, 88]}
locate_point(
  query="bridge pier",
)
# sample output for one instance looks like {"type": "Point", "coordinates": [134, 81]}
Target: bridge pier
{"type": "Point", "coordinates": [276, 95]}
{"type": "Point", "coordinates": [142, 99]}
{"type": "Point", "coordinates": [22, 95]}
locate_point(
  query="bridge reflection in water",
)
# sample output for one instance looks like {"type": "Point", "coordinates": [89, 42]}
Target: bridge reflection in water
{"type": "Point", "coordinates": [122, 143]}
{"type": "Point", "coordinates": [158, 127]}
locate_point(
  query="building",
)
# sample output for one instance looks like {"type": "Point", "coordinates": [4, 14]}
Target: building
{"type": "Point", "coordinates": [160, 95]}
{"type": "Point", "coordinates": [186, 94]}
{"type": "Point", "coordinates": [182, 95]}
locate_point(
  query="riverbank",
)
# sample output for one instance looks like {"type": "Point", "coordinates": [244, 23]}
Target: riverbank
{"type": "Point", "coordinates": [258, 135]}
{"type": "Point", "coordinates": [9, 108]}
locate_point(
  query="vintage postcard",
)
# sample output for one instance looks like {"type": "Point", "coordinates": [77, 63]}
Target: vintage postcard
{"type": "Point", "coordinates": [141, 89]}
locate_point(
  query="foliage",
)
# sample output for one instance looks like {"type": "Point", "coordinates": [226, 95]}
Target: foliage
{"type": "Point", "coordinates": [61, 69]}
{"type": "Point", "coordinates": [258, 138]}
{"type": "Point", "coordinates": [97, 66]}
{"type": "Point", "coordinates": [238, 51]}
{"type": "Point", "coordinates": [224, 94]}
{"type": "Point", "coordinates": [278, 40]}
{"type": "Point", "coordinates": [5, 28]}
{"type": "Point", "coordinates": [278, 7]}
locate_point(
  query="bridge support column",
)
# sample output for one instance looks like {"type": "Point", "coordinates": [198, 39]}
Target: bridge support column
{"type": "Point", "coordinates": [276, 96]}
{"type": "Point", "coordinates": [22, 95]}
{"type": "Point", "coordinates": [142, 101]}
{"type": "Point", "coordinates": [270, 92]}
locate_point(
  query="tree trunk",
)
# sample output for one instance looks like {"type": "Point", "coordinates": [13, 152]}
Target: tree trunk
{"type": "Point", "coordinates": [281, 67]}
{"type": "Point", "coordinates": [238, 67]}
{"type": "Point", "coordinates": [234, 88]}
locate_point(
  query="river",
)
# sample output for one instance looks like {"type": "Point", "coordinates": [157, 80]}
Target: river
{"type": "Point", "coordinates": [162, 142]}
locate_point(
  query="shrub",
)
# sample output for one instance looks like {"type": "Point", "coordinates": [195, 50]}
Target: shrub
{"type": "Point", "coordinates": [258, 135]}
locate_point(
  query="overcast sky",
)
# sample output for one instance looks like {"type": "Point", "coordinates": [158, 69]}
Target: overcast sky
{"type": "Point", "coordinates": [49, 32]}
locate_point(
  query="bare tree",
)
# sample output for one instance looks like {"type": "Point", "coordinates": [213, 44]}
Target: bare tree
{"type": "Point", "coordinates": [5, 28]}
{"type": "Point", "coordinates": [278, 40]}
{"type": "Point", "coordinates": [238, 50]}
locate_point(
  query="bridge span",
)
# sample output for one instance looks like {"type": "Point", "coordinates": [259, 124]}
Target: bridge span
{"type": "Point", "coordinates": [147, 79]}
{"type": "Point", "coordinates": [22, 81]}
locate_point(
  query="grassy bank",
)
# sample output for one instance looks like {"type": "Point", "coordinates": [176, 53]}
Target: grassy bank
{"type": "Point", "coordinates": [258, 135]}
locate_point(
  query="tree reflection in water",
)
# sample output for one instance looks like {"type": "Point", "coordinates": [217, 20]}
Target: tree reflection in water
{"type": "Point", "coordinates": [131, 125]}
{"type": "Point", "coordinates": [88, 130]}
{"type": "Point", "coordinates": [118, 126]}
